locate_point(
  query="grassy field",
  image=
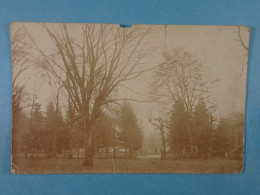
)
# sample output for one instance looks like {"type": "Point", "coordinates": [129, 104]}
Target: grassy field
{"type": "Point", "coordinates": [43, 166]}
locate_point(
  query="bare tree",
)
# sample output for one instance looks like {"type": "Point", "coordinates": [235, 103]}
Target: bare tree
{"type": "Point", "coordinates": [21, 62]}
{"type": "Point", "coordinates": [162, 125]}
{"type": "Point", "coordinates": [243, 42]}
{"type": "Point", "coordinates": [20, 65]}
{"type": "Point", "coordinates": [56, 99]}
{"type": "Point", "coordinates": [180, 77]}
{"type": "Point", "coordinates": [92, 66]}
{"type": "Point", "coordinates": [240, 39]}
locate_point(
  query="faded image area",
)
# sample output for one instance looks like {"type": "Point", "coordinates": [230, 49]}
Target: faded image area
{"type": "Point", "coordinates": [100, 98]}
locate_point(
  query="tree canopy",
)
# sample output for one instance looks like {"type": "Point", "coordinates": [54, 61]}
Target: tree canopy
{"type": "Point", "coordinates": [179, 77]}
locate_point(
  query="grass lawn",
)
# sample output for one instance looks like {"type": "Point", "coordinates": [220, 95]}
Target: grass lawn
{"type": "Point", "coordinates": [43, 166]}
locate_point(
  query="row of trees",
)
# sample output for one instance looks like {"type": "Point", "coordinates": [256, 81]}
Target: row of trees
{"type": "Point", "coordinates": [50, 133]}
{"type": "Point", "coordinates": [199, 136]}
{"type": "Point", "coordinates": [191, 127]}
{"type": "Point", "coordinates": [40, 133]}
{"type": "Point", "coordinates": [88, 69]}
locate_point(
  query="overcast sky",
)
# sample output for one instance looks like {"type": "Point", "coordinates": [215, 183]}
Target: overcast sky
{"type": "Point", "coordinates": [216, 47]}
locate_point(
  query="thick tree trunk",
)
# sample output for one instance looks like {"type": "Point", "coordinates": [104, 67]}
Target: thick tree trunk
{"type": "Point", "coordinates": [89, 154]}
{"type": "Point", "coordinates": [89, 149]}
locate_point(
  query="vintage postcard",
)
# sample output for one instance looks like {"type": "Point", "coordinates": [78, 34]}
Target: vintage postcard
{"type": "Point", "coordinates": [100, 98]}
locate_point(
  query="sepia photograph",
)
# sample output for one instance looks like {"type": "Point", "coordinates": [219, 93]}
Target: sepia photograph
{"type": "Point", "coordinates": [105, 98]}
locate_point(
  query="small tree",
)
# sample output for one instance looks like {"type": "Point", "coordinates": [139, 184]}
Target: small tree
{"type": "Point", "coordinates": [161, 125]}
{"type": "Point", "coordinates": [130, 134]}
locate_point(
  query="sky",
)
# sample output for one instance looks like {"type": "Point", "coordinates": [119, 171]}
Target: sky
{"type": "Point", "coordinates": [216, 47]}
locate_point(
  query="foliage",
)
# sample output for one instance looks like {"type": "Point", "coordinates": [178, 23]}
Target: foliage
{"type": "Point", "coordinates": [229, 135]}
{"type": "Point", "coordinates": [56, 130]}
{"type": "Point", "coordinates": [130, 134]}
{"type": "Point", "coordinates": [200, 131]}
{"type": "Point", "coordinates": [33, 137]}
{"type": "Point", "coordinates": [178, 129]}
{"type": "Point", "coordinates": [105, 133]}
{"type": "Point", "coordinates": [223, 137]}
{"type": "Point", "coordinates": [21, 125]}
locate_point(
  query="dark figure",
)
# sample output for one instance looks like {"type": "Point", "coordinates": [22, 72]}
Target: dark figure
{"type": "Point", "coordinates": [90, 151]}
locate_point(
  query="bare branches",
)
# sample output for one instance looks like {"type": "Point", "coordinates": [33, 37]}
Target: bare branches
{"type": "Point", "coordinates": [240, 31]}
{"type": "Point", "coordinates": [243, 44]}
{"type": "Point", "coordinates": [160, 124]}
{"type": "Point", "coordinates": [20, 61]}
{"type": "Point", "coordinates": [179, 78]}
{"type": "Point", "coordinates": [92, 66]}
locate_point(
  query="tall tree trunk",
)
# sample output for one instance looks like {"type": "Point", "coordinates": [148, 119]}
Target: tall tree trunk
{"type": "Point", "coordinates": [89, 149]}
